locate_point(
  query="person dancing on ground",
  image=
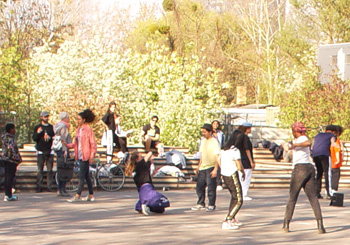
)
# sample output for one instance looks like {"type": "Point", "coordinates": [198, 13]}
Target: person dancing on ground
{"type": "Point", "coordinates": [303, 176]}
{"type": "Point", "coordinates": [149, 199]}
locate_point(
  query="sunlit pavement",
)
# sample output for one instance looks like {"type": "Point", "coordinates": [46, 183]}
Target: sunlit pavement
{"type": "Point", "coordinates": [46, 219]}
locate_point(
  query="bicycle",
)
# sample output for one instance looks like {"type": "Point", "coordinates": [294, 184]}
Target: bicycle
{"type": "Point", "coordinates": [109, 176]}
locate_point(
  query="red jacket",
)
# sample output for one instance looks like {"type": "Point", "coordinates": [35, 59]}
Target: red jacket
{"type": "Point", "coordinates": [88, 143]}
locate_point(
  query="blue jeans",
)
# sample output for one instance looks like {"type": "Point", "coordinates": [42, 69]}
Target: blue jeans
{"type": "Point", "coordinates": [84, 175]}
{"type": "Point", "coordinates": [205, 180]}
{"type": "Point", "coordinates": [303, 176]}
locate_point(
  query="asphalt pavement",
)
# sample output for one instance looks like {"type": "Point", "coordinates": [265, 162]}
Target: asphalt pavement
{"type": "Point", "coordinates": [46, 219]}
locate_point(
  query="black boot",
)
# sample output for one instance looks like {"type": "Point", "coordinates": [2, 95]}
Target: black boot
{"type": "Point", "coordinates": [285, 227]}
{"type": "Point", "coordinates": [320, 227]}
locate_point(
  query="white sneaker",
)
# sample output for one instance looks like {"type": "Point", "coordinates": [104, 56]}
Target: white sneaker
{"type": "Point", "coordinates": [228, 225]}
{"type": "Point", "coordinates": [219, 188]}
{"type": "Point", "coordinates": [145, 209]}
{"type": "Point", "coordinates": [236, 222]}
{"type": "Point", "coordinates": [246, 198]}
{"type": "Point", "coordinates": [10, 199]}
{"type": "Point", "coordinates": [198, 208]}
{"type": "Point", "coordinates": [88, 199]}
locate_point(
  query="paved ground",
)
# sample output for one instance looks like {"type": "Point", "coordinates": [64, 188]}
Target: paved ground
{"type": "Point", "coordinates": [46, 219]}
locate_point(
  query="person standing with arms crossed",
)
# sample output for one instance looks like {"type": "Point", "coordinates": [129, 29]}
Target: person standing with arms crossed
{"type": "Point", "coordinates": [207, 169]}
{"type": "Point", "coordinates": [303, 176]}
{"type": "Point", "coordinates": [43, 134]}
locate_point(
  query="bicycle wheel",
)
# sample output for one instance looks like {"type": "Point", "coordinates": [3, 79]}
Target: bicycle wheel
{"type": "Point", "coordinates": [110, 177]}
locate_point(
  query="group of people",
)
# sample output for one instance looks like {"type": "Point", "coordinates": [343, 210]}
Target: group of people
{"type": "Point", "coordinates": [55, 139]}
{"type": "Point", "coordinates": [232, 160]}
{"type": "Point", "coordinates": [236, 162]}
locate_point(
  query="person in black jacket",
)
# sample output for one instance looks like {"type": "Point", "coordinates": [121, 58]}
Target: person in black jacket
{"type": "Point", "coordinates": [42, 135]}
{"type": "Point", "coordinates": [108, 121]}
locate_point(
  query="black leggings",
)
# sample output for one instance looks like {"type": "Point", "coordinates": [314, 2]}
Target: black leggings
{"type": "Point", "coordinates": [234, 186]}
{"type": "Point", "coordinates": [303, 176]}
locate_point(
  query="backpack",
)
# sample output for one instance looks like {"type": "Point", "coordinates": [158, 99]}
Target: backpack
{"type": "Point", "coordinates": [56, 143]}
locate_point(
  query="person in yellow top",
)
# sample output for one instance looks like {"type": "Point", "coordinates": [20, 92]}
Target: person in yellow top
{"type": "Point", "coordinates": [337, 159]}
{"type": "Point", "coordinates": [207, 169]}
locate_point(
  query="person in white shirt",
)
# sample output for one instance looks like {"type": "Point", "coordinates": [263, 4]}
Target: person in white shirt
{"type": "Point", "coordinates": [230, 163]}
{"type": "Point", "coordinates": [303, 176]}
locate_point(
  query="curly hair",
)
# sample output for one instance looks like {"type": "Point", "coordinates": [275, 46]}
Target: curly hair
{"type": "Point", "coordinates": [88, 115]}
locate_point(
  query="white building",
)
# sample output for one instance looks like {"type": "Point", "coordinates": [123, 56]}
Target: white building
{"type": "Point", "coordinates": [334, 59]}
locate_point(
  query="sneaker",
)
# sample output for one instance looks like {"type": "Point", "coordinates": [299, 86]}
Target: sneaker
{"type": "Point", "coordinates": [236, 222]}
{"type": "Point", "coordinates": [62, 194]}
{"type": "Point", "coordinates": [210, 209]}
{"type": "Point", "coordinates": [219, 188]}
{"type": "Point", "coordinates": [145, 209]}
{"type": "Point", "coordinates": [74, 199]}
{"type": "Point", "coordinates": [246, 198]}
{"type": "Point", "coordinates": [228, 225]}
{"type": "Point", "coordinates": [88, 199]}
{"type": "Point", "coordinates": [198, 207]}
{"type": "Point", "coordinates": [10, 199]}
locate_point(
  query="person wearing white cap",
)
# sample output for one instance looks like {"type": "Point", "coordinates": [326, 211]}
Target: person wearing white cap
{"type": "Point", "coordinates": [42, 135]}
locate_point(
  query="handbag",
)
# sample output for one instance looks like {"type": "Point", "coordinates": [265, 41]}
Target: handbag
{"type": "Point", "coordinates": [104, 139]}
{"type": "Point", "coordinates": [65, 168]}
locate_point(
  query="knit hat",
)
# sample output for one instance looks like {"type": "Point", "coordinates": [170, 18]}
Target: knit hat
{"type": "Point", "coordinates": [63, 115]}
{"type": "Point", "coordinates": [299, 127]}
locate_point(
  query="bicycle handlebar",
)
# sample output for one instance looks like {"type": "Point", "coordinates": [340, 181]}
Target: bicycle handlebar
{"type": "Point", "coordinates": [104, 153]}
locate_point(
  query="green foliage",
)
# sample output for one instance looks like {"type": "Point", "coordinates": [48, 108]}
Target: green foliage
{"type": "Point", "coordinates": [327, 21]}
{"type": "Point", "coordinates": [168, 5]}
{"type": "Point", "coordinates": [152, 28]}
{"type": "Point", "coordinates": [164, 29]}
{"type": "Point", "coordinates": [84, 75]}
{"type": "Point", "coordinates": [10, 78]}
{"type": "Point", "coordinates": [318, 105]}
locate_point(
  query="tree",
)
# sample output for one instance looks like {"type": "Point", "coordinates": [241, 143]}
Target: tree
{"type": "Point", "coordinates": [326, 21]}
{"type": "Point", "coordinates": [88, 75]}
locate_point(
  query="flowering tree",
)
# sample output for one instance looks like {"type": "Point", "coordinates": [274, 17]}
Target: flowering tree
{"type": "Point", "coordinates": [86, 75]}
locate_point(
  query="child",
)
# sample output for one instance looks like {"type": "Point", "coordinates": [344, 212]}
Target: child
{"type": "Point", "coordinates": [337, 159]}
{"type": "Point", "coordinates": [149, 199]}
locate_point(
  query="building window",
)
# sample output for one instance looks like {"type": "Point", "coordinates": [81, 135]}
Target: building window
{"type": "Point", "coordinates": [334, 60]}
{"type": "Point", "coordinates": [347, 59]}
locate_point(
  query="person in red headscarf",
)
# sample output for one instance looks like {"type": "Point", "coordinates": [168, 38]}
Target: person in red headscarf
{"type": "Point", "coordinates": [303, 176]}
